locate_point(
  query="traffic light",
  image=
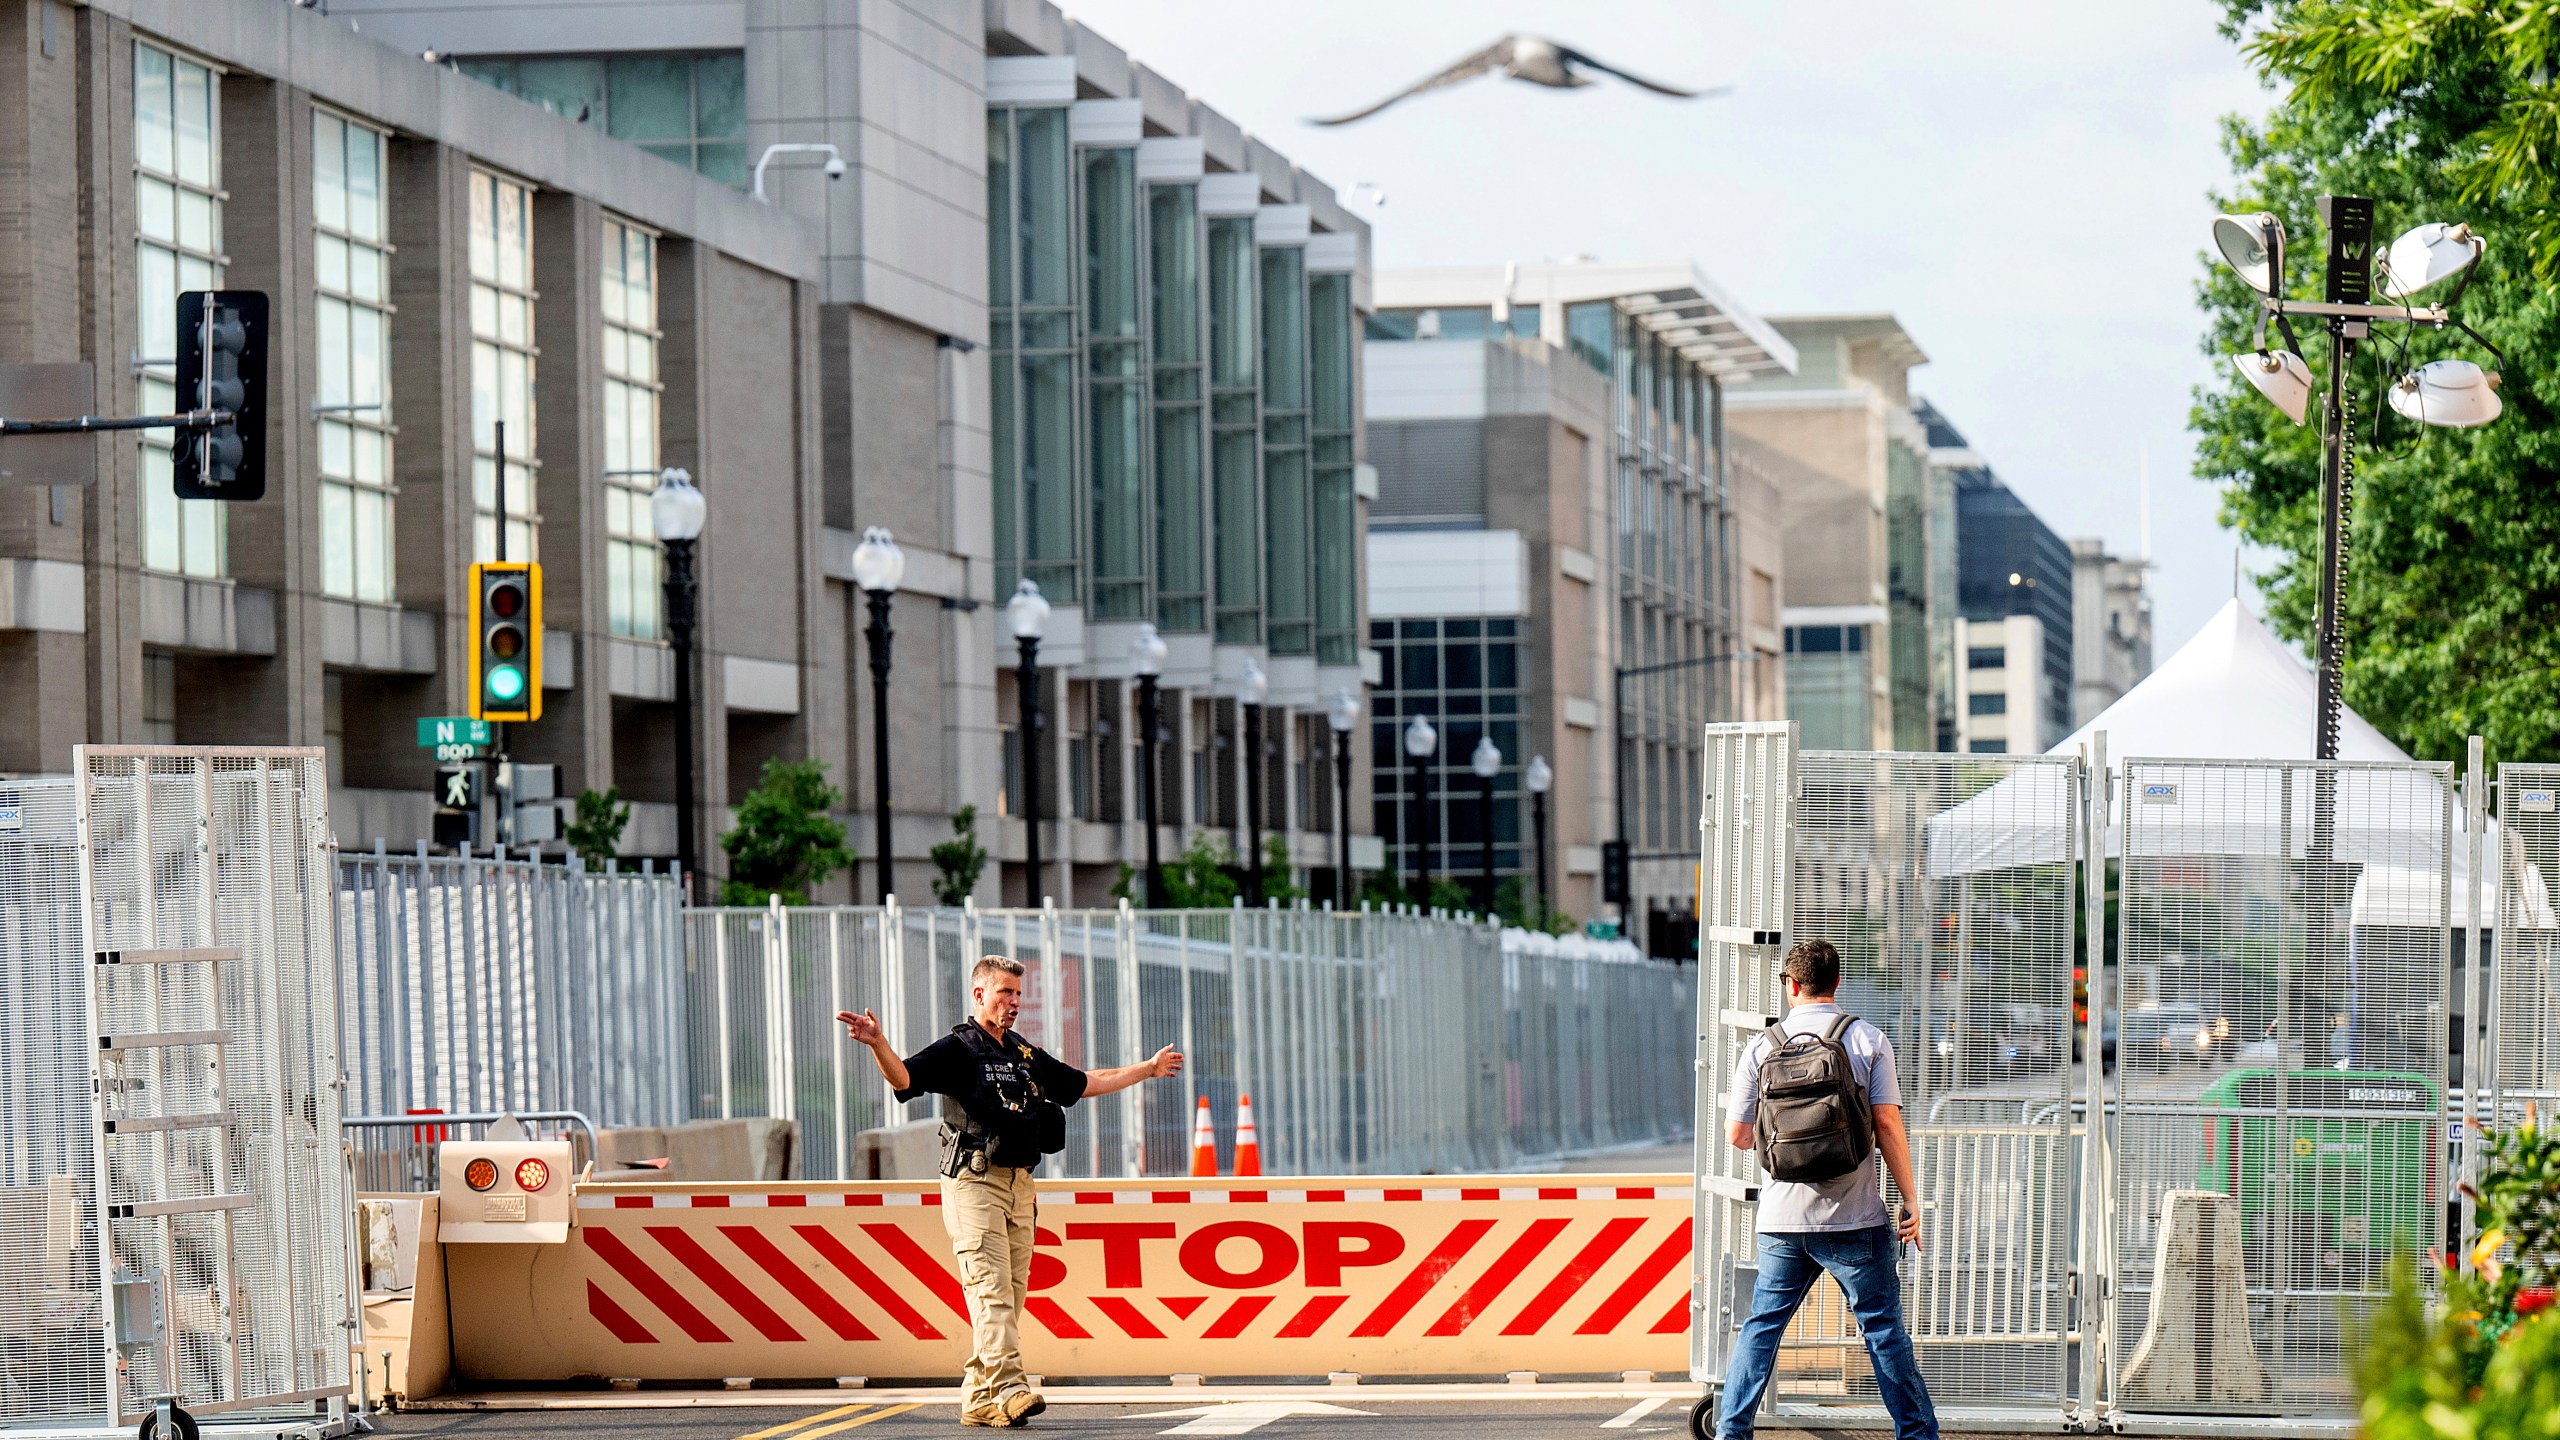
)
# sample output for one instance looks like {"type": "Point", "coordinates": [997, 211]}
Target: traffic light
{"type": "Point", "coordinates": [1616, 884]}
{"type": "Point", "coordinates": [222, 366]}
{"type": "Point", "coordinates": [506, 642]}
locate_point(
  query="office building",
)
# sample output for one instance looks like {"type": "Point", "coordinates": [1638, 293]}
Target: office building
{"type": "Point", "coordinates": [2110, 627]}
{"type": "Point", "coordinates": [1562, 556]}
{"type": "Point", "coordinates": [1852, 473]}
{"type": "Point", "coordinates": [2015, 587]}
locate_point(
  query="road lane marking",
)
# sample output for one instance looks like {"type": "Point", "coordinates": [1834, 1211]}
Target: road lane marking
{"type": "Point", "coordinates": [1627, 1418]}
{"type": "Point", "coordinates": [820, 1417]}
{"type": "Point", "coordinates": [859, 1420]}
{"type": "Point", "coordinates": [1243, 1417]}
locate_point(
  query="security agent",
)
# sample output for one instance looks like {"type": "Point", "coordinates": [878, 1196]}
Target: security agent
{"type": "Point", "coordinates": [1003, 1107]}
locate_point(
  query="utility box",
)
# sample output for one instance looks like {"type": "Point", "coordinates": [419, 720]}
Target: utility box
{"type": "Point", "coordinates": [503, 1192]}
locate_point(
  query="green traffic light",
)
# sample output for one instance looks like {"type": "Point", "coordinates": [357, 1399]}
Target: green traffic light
{"type": "Point", "coordinates": [505, 682]}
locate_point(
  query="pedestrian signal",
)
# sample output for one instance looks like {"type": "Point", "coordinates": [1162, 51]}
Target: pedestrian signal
{"type": "Point", "coordinates": [222, 368]}
{"type": "Point", "coordinates": [506, 642]}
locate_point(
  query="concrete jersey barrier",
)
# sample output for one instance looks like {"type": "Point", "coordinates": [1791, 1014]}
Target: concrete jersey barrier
{"type": "Point", "coordinates": [1410, 1276]}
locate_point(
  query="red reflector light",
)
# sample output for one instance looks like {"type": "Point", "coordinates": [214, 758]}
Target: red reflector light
{"type": "Point", "coordinates": [532, 1175]}
{"type": "Point", "coordinates": [480, 1174]}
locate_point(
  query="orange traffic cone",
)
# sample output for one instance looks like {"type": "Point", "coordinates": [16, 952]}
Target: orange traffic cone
{"type": "Point", "coordinates": [1248, 1145]}
{"type": "Point", "coordinates": [1204, 1141]}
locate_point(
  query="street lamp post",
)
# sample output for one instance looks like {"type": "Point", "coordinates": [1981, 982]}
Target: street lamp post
{"type": "Point", "coordinates": [1251, 690]}
{"type": "Point", "coordinates": [677, 512]}
{"type": "Point", "coordinates": [1540, 779]}
{"type": "Point", "coordinates": [878, 566]}
{"type": "Point", "coordinates": [1343, 714]}
{"type": "Point", "coordinates": [1028, 616]}
{"type": "Point", "coordinates": [1147, 655]}
{"type": "Point", "coordinates": [1487, 763]}
{"type": "Point", "coordinates": [1620, 849]}
{"type": "Point", "coordinates": [1419, 741]}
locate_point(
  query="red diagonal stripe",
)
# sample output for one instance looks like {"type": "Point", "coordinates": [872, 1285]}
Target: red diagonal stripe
{"type": "Point", "coordinates": [832, 1250]}
{"type": "Point", "coordinates": [1125, 1315]}
{"type": "Point", "coordinates": [830, 1312]}
{"type": "Point", "coordinates": [1677, 1321]}
{"type": "Point", "coordinates": [1311, 1316]}
{"type": "Point", "coordinates": [696, 1325]}
{"type": "Point", "coordinates": [615, 1318]}
{"type": "Point", "coordinates": [1673, 1249]}
{"type": "Point", "coordinates": [1490, 1285]}
{"type": "Point", "coordinates": [1577, 1273]}
{"type": "Point", "coordinates": [711, 1272]}
{"type": "Point", "coordinates": [903, 1249]}
{"type": "Point", "coordinates": [1443, 1258]}
{"type": "Point", "coordinates": [1231, 1322]}
{"type": "Point", "coordinates": [1183, 1305]}
{"type": "Point", "coordinates": [1054, 1315]}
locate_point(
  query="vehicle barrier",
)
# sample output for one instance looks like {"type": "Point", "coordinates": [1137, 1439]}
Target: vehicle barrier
{"type": "Point", "coordinates": [1402, 1276]}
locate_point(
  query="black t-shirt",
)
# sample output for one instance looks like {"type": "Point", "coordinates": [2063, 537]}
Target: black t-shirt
{"type": "Point", "coordinates": [947, 1067]}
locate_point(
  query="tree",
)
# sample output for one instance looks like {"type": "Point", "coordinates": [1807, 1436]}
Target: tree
{"type": "Point", "coordinates": [958, 860]}
{"type": "Point", "coordinates": [597, 832]}
{"type": "Point", "coordinates": [1197, 879]}
{"type": "Point", "coordinates": [785, 843]}
{"type": "Point", "coordinates": [2436, 109]}
{"type": "Point", "coordinates": [1276, 882]}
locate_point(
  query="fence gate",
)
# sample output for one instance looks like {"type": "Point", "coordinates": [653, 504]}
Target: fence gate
{"type": "Point", "coordinates": [1948, 884]}
{"type": "Point", "coordinates": [205, 884]}
{"type": "Point", "coordinates": [2285, 943]}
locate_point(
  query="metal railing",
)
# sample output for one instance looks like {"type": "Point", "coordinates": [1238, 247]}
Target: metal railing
{"type": "Point", "coordinates": [388, 1161]}
{"type": "Point", "coordinates": [1368, 1043]}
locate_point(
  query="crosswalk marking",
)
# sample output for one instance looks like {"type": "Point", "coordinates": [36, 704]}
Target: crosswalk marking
{"type": "Point", "coordinates": [1627, 1418]}
{"type": "Point", "coordinates": [819, 1418]}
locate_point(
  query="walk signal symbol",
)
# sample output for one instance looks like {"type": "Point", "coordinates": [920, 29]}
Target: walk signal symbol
{"type": "Point", "coordinates": [506, 648]}
{"type": "Point", "coordinates": [457, 788]}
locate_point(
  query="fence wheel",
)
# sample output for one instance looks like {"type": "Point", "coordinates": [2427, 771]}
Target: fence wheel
{"type": "Point", "coordinates": [1702, 1418]}
{"type": "Point", "coordinates": [182, 1426]}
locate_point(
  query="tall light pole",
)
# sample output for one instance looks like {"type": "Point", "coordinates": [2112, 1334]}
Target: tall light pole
{"type": "Point", "coordinates": [878, 566]}
{"type": "Point", "coordinates": [1419, 741]}
{"type": "Point", "coordinates": [677, 512]}
{"type": "Point", "coordinates": [1343, 714]}
{"type": "Point", "coordinates": [1251, 691]}
{"type": "Point", "coordinates": [1147, 656]}
{"type": "Point", "coordinates": [1487, 763]}
{"type": "Point", "coordinates": [1540, 779]}
{"type": "Point", "coordinates": [1028, 616]}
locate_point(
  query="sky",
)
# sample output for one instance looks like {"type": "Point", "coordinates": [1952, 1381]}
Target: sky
{"type": "Point", "coordinates": [2025, 186]}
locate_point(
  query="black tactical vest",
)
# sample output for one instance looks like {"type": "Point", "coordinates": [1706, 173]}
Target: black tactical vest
{"type": "Point", "coordinates": [1005, 1112]}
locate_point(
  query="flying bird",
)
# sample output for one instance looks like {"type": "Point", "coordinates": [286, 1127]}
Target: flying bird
{"type": "Point", "coordinates": [1523, 57]}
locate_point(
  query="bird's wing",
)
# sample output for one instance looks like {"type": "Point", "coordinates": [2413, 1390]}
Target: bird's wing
{"type": "Point", "coordinates": [1576, 57]}
{"type": "Point", "coordinates": [1490, 58]}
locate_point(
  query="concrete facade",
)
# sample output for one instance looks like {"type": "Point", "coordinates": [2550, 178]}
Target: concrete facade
{"type": "Point", "coordinates": [2110, 627]}
{"type": "Point", "coordinates": [246, 642]}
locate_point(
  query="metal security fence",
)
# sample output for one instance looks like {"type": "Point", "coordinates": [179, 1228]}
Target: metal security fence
{"type": "Point", "coordinates": [487, 984]}
{"type": "Point", "coordinates": [1368, 1043]}
{"type": "Point", "coordinates": [2516, 988]}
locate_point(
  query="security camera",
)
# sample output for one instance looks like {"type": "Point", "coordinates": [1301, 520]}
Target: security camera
{"type": "Point", "coordinates": [835, 167]}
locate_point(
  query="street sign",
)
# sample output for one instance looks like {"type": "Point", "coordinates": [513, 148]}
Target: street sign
{"type": "Point", "coordinates": [457, 787]}
{"type": "Point", "coordinates": [436, 730]}
{"type": "Point", "coordinates": [449, 754]}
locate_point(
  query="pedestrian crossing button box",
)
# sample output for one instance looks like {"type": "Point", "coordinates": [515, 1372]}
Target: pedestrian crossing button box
{"type": "Point", "coordinates": [503, 1192]}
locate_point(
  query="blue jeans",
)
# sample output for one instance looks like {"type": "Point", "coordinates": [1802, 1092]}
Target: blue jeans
{"type": "Point", "coordinates": [1862, 1261]}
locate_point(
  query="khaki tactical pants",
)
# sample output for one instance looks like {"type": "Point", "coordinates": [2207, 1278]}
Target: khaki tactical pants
{"type": "Point", "coordinates": [990, 1218]}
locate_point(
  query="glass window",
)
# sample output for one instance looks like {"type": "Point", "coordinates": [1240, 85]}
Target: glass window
{"type": "Point", "coordinates": [633, 561]}
{"type": "Point", "coordinates": [1231, 302]}
{"type": "Point", "coordinates": [1994, 703]}
{"type": "Point", "coordinates": [1173, 239]}
{"type": "Point", "coordinates": [178, 247]}
{"type": "Point", "coordinates": [351, 213]}
{"type": "Point", "coordinates": [1390, 325]}
{"type": "Point", "coordinates": [1181, 424]}
{"type": "Point", "coordinates": [502, 364]}
{"type": "Point", "coordinates": [1046, 233]}
{"type": "Point", "coordinates": [688, 109]}
{"type": "Point", "coordinates": [1987, 657]}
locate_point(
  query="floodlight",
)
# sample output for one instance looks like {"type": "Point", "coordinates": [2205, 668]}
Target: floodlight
{"type": "Point", "coordinates": [2253, 246]}
{"type": "Point", "coordinates": [2281, 376]}
{"type": "Point", "coordinates": [2428, 256]}
{"type": "Point", "coordinates": [2455, 394]}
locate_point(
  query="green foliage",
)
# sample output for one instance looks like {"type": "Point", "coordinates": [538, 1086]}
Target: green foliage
{"type": "Point", "coordinates": [1197, 879]}
{"type": "Point", "coordinates": [597, 832]}
{"type": "Point", "coordinates": [958, 861]}
{"type": "Point", "coordinates": [2517, 1204]}
{"type": "Point", "coordinates": [1455, 896]}
{"type": "Point", "coordinates": [1277, 886]}
{"type": "Point", "coordinates": [1515, 903]}
{"type": "Point", "coordinates": [2453, 580]}
{"type": "Point", "coordinates": [1383, 888]}
{"type": "Point", "coordinates": [785, 843]}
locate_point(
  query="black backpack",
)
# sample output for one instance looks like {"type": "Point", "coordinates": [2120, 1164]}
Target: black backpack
{"type": "Point", "coordinates": [1815, 1121]}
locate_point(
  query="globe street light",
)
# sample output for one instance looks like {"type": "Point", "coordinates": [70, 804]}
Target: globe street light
{"type": "Point", "coordinates": [677, 513]}
{"type": "Point", "coordinates": [1147, 656]}
{"type": "Point", "coordinates": [1487, 763]}
{"type": "Point", "coordinates": [878, 566]}
{"type": "Point", "coordinates": [1419, 741]}
{"type": "Point", "coordinates": [1251, 690]}
{"type": "Point", "coordinates": [1027, 615]}
{"type": "Point", "coordinates": [1343, 714]}
{"type": "Point", "coordinates": [1540, 779]}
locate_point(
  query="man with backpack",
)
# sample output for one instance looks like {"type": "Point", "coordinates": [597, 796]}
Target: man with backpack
{"type": "Point", "coordinates": [1816, 1096]}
